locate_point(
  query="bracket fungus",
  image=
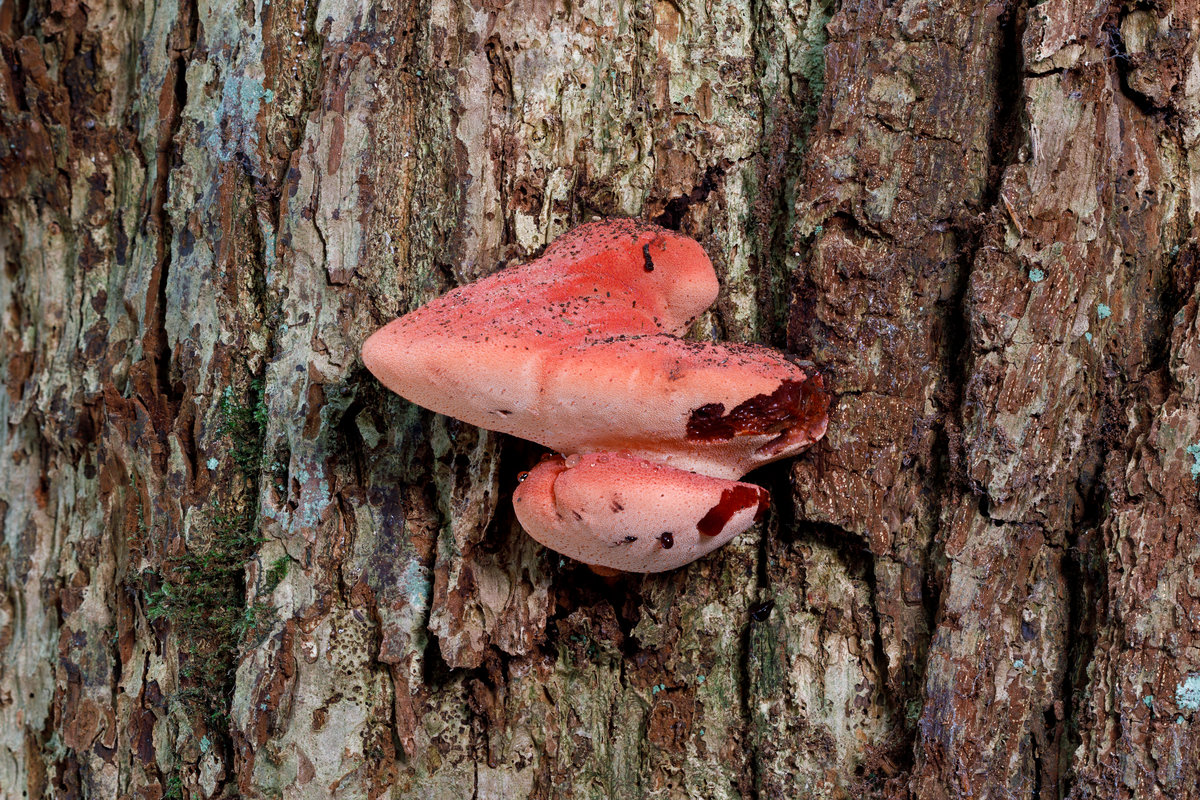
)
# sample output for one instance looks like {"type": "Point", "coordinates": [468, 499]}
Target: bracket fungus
{"type": "Point", "coordinates": [580, 351]}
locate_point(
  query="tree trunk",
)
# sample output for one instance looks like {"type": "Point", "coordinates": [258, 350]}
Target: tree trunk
{"type": "Point", "coordinates": [233, 565]}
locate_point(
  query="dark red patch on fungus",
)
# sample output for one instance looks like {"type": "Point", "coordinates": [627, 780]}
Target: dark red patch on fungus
{"type": "Point", "coordinates": [732, 501]}
{"type": "Point", "coordinates": [764, 500]}
{"type": "Point", "coordinates": [793, 404]}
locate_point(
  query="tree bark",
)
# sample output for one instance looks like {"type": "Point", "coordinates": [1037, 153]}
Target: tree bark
{"type": "Point", "coordinates": [233, 565]}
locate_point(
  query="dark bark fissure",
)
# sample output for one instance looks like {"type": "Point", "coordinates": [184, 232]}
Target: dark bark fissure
{"type": "Point", "coordinates": [1008, 132]}
{"type": "Point", "coordinates": [1037, 767]}
{"type": "Point", "coordinates": [860, 563]}
{"type": "Point", "coordinates": [773, 214]}
{"type": "Point", "coordinates": [21, 15]}
{"type": "Point", "coordinates": [1086, 589]}
{"type": "Point", "coordinates": [677, 207]}
{"type": "Point", "coordinates": [1084, 566]}
{"type": "Point", "coordinates": [1183, 280]}
{"type": "Point", "coordinates": [501, 100]}
{"type": "Point", "coordinates": [269, 185]}
{"type": "Point", "coordinates": [947, 479]}
{"type": "Point", "coordinates": [183, 39]}
{"type": "Point", "coordinates": [1117, 52]}
{"type": "Point", "coordinates": [781, 517]}
{"type": "Point", "coordinates": [958, 362]}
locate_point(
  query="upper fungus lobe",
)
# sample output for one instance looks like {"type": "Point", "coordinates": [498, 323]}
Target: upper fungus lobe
{"type": "Point", "coordinates": [480, 352]}
{"type": "Point", "coordinates": [593, 277]}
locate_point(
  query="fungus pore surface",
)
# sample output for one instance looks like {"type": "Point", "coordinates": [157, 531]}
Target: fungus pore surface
{"type": "Point", "coordinates": [580, 351]}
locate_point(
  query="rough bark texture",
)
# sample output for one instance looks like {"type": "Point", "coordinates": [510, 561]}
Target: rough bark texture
{"type": "Point", "coordinates": [231, 564]}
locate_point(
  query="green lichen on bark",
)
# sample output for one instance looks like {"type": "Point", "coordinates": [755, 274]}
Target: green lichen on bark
{"type": "Point", "coordinates": [201, 594]}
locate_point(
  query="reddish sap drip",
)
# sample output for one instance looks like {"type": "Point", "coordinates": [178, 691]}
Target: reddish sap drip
{"type": "Point", "coordinates": [793, 403]}
{"type": "Point", "coordinates": [732, 501]}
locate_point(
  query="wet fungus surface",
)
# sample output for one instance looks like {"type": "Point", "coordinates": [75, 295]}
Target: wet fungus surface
{"type": "Point", "coordinates": [579, 351]}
